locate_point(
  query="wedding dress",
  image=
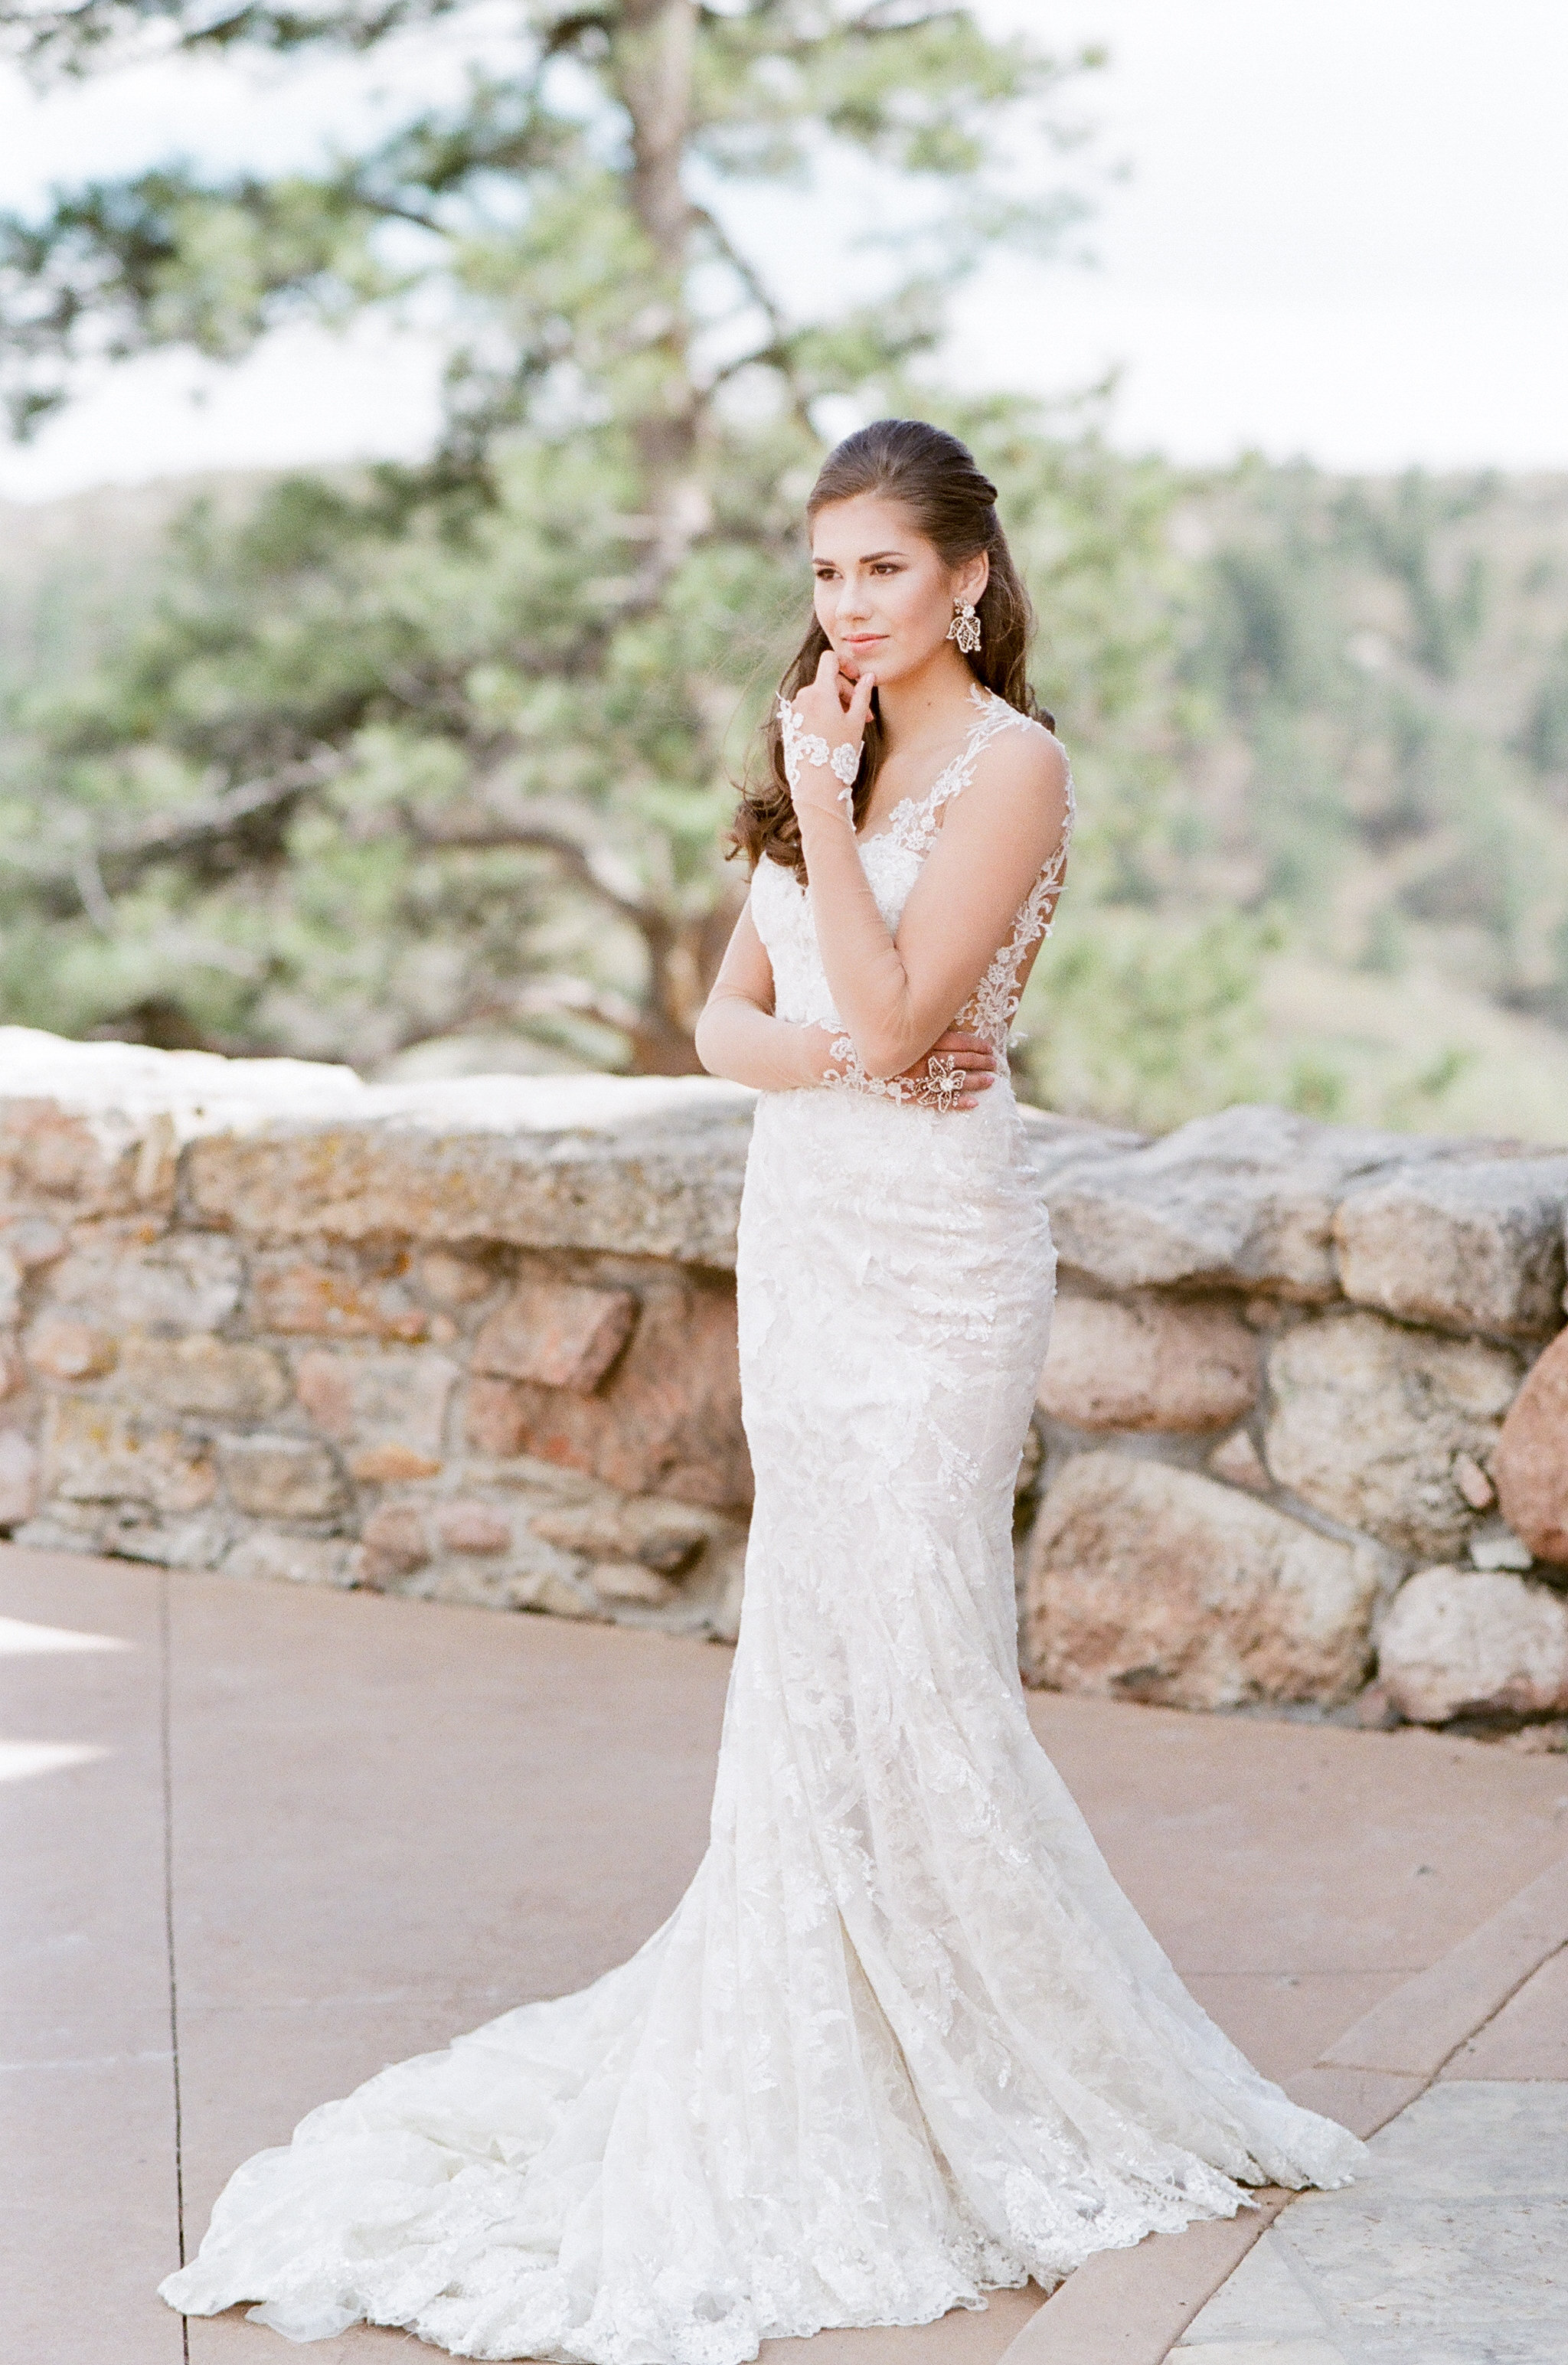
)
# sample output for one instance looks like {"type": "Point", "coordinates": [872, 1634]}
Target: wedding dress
{"type": "Point", "coordinates": [903, 2038]}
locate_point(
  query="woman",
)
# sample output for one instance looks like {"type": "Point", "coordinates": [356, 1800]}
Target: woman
{"type": "Point", "coordinates": [903, 2039]}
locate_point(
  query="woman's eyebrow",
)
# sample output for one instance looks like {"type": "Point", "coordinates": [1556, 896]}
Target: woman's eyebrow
{"type": "Point", "coordinates": [867, 557]}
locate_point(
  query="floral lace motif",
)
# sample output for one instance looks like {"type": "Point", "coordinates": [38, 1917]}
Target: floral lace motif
{"type": "Point", "coordinates": [941, 1087]}
{"type": "Point", "coordinates": [802, 747]}
{"type": "Point", "coordinates": [993, 1005]}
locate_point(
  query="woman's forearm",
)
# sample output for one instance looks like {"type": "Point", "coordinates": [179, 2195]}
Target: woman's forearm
{"type": "Point", "coordinates": [866, 975]}
{"type": "Point", "coordinates": [746, 1045]}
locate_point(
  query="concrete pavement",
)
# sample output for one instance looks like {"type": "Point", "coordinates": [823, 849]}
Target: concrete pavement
{"type": "Point", "coordinates": [260, 1841]}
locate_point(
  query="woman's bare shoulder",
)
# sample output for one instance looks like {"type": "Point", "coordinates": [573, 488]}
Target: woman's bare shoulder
{"type": "Point", "coordinates": [1027, 755]}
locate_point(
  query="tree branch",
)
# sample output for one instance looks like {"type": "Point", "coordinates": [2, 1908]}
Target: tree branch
{"type": "Point", "coordinates": [86, 876]}
{"type": "Point", "coordinates": [543, 826]}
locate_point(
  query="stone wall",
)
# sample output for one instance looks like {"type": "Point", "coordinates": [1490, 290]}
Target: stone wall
{"type": "Point", "coordinates": [476, 1342]}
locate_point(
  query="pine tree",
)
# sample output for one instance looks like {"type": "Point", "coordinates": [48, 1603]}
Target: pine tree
{"type": "Point", "coordinates": [416, 750]}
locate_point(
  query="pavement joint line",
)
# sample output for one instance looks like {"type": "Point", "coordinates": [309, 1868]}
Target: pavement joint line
{"type": "Point", "coordinates": [1312, 2284]}
{"type": "Point", "coordinates": [1415, 2031]}
{"type": "Point", "coordinates": [1481, 2026]}
{"type": "Point", "coordinates": [1158, 2277]}
{"type": "Point", "coordinates": [166, 1754]}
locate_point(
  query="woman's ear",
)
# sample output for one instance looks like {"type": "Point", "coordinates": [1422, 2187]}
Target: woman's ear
{"type": "Point", "coordinates": [971, 579]}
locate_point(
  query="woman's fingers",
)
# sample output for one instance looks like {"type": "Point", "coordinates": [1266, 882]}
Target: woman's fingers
{"type": "Point", "coordinates": [965, 1050]}
{"type": "Point", "coordinates": [859, 712]}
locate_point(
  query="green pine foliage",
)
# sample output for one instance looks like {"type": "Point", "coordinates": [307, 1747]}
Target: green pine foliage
{"type": "Point", "coordinates": [423, 752]}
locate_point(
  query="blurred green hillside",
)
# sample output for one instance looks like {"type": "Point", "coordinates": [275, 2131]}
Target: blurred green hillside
{"type": "Point", "coordinates": [1321, 726]}
{"type": "Point", "coordinates": [1377, 756]}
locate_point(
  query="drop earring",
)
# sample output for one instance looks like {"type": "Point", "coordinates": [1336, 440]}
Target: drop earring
{"type": "Point", "coordinates": [964, 627]}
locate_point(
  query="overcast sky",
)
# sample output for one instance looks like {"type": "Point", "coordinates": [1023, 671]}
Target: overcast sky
{"type": "Point", "coordinates": [1343, 234]}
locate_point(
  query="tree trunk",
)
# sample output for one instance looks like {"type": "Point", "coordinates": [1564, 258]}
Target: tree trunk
{"type": "Point", "coordinates": [683, 961]}
{"type": "Point", "coordinates": [654, 48]}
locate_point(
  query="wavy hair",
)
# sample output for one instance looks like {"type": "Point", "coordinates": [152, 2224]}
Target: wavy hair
{"type": "Point", "coordinates": [953, 504]}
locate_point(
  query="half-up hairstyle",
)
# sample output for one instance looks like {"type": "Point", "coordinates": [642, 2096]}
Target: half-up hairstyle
{"type": "Point", "coordinates": [953, 504]}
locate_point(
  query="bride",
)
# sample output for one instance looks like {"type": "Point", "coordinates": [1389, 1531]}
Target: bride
{"type": "Point", "coordinates": [903, 2038]}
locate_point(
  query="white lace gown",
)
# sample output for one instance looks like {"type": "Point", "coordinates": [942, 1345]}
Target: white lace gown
{"type": "Point", "coordinates": [903, 2038]}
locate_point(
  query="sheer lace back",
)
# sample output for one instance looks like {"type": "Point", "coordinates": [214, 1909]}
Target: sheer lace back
{"type": "Point", "coordinates": [993, 1005]}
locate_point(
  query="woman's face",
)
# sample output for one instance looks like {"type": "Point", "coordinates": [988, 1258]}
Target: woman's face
{"type": "Point", "coordinates": [884, 594]}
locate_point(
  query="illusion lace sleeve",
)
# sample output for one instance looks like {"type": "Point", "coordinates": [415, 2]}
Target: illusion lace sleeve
{"type": "Point", "coordinates": [803, 747]}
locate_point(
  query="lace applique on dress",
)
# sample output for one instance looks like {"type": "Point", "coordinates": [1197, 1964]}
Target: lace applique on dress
{"type": "Point", "coordinates": [914, 826]}
{"type": "Point", "coordinates": [802, 747]}
{"type": "Point", "coordinates": [913, 822]}
{"type": "Point", "coordinates": [993, 1005]}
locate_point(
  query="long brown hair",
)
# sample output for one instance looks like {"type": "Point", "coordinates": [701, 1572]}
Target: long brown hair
{"type": "Point", "coordinates": [953, 504]}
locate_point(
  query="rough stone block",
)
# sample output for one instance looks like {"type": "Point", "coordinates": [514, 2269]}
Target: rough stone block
{"type": "Point", "coordinates": [324, 1385]}
{"type": "Point", "coordinates": [497, 1418]}
{"type": "Point", "coordinates": [391, 1465]}
{"type": "Point", "coordinates": [629, 1581]}
{"type": "Point", "coordinates": [478, 1528]}
{"type": "Point", "coordinates": [1247, 1197]}
{"type": "Point", "coordinates": [1148, 1363]}
{"type": "Point", "coordinates": [1531, 1465]}
{"type": "Point", "coordinates": [62, 1347]}
{"type": "Point", "coordinates": [1473, 1482]}
{"type": "Point", "coordinates": [132, 1532]}
{"type": "Point", "coordinates": [532, 1575]}
{"type": "Point", "coordinates": [202, 1374]}
{"type": "Point", "coordinates": [666, 1420]}
{"type": "Point", "coordinates": [291, 1560]}
{"type": "Point", "coordinates": [53, 1153]}
{"type": "Point", "coordinates": [280, 1477]}
{"type": "Point", "coordinates": [637, 1166]}
{"type": "Point", "coordinates": [127, 1279]}
{"type": "Point", "coordinates": [316, 1300]}
{"type": "Point", "coordinates": [33, 1242]}
{"type": "Point", "coordinates": [394, 1541]}
{"type": "Point", "coordinates": [1495, 1545]}
{"type": "Point", "coordinates": [388, 1405]}
{"type": "Point", "coordinates": [729, 1598]}
{"type": "Point", "coordinates": [100, 1452]}
{"type": "Point", "coordinates": [1462, 1642]}
{"type": "Point", "coordinates": [663, 1536]}
{"type": "Point", "coordinates": [127, 1531]}
{"type": "Point", "coordinates": [1472, 1247]}
{"type": "Point", "coordinates": [556, 1333]}
{"type": "Point", "coordinates": [1369, 1420]}
{"type": "Point", "coordinates": [454, 1281]}
{"type": "Point", "coordinates": [1153, 1583]}
{"type": "Point", "coordinates": [18, 1477]}
{"type": "Point", "coordinates": [12, 1276]}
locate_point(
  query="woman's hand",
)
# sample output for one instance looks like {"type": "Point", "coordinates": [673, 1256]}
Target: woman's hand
{"type": "Point", "coordinates": [954, 1073]}
{"type": "Point", "coordinates": [822, 734]}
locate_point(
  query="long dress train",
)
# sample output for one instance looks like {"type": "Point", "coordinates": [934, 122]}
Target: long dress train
{"type": "Point", "coordinates": [903, 2038]}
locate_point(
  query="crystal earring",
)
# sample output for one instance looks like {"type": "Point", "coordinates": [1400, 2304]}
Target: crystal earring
{"type": "Point", "coordinates": [964, 627]}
